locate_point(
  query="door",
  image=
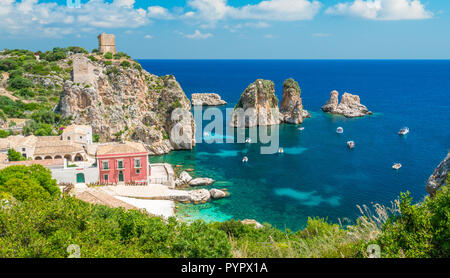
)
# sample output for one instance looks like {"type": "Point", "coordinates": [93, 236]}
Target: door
{"type": "Point", "coordinates": [120, 176]}
{"type": "Point", "coordinates": [80, 178]}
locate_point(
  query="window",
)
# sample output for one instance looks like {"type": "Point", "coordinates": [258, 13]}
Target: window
{"type": "Point", "coordinates": [105, 177]}
{"type": "Point", "coordinates": [23, 149]}
{"type": "Point", "coordinates": [81, 137]}
{"type": "Point", "coordinates": [137, 163]}
{"type": "Point", "coordinates": [68, 137]}
{"type": "Point", "coordinates": [105, 165]}
{"type": "Point", "coordinates": [138, 171]}
{"type": "Point", "coordinates": [120, 164]}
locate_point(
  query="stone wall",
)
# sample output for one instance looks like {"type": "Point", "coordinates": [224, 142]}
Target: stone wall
{"type": "Point", "coordinates": [107, 43]}
{"type": "Point", "coordinates": [69, 175]}
{"type": "Point", "coordinates": [84, 72]}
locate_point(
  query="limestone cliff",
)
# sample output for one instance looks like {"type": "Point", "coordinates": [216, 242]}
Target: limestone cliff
{"type": "Point", "coordinates": [260, 103]}
{"type": "Point", "coordinates": [439, 176]}
{"type": "Point", "coordinates": [121, 101]}
{"type": "Point", "coordinates": [291, 107]}
{"type": "Point", "coordinates": [350, 105]}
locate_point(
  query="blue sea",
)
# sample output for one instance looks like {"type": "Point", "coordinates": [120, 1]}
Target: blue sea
{"type": "Point", "coordinates": [317, 175]}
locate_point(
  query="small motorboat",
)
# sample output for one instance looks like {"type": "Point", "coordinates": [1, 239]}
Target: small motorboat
{"type": "Point", "coordinates": [280, 150]}
{"type": "Point", "coordinates": [403, 131]}
{"type": "Point", "coordinates": [339, 130]}
{"type": "Point", "coordinates": [301, 128]}
{"type": "Point", "coordinates": [351, 144]}
{"type": "Point", "coordinates": [248, 140]}
{"type": "Point", "coordinates": [245, 159]}
{"type": "Point", "coordinates": [206, 134]}
{"type": "Point", "coordinates": [397, 166]}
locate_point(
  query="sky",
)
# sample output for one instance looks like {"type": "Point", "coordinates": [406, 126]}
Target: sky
{"type": "Point", "coordinates": [235, 29]}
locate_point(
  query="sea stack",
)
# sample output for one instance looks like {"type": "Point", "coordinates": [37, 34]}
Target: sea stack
{"type": "Point", "coordinates": [349, 107]}
{"type": "Point", "coordinates": [291, 107]}
{"type": "Point", "coordinates": [439, 176]}
{"type": "Point", "coordinates": [207, 99]}
{"type": "Point", "coordinates": [260, 105]}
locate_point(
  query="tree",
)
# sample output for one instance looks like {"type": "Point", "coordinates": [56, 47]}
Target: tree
{"type": "Point", "coordinates": [13, 155]}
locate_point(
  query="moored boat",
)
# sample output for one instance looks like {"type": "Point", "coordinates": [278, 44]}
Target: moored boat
{"type": "Point", "coordinates": [351, 144]}
{"type": "Point", "coordinates": [397, 166]}
{"type": "Point", "coordinates": [280, 150]}
{"type": "Point", "coordinates": [403, 131]}
{"type": "Point", "coordinates": [339, 130]}
{"type": "Point", "coordinates": [301, 128]}
{"type": "Point", "coordinates": [245, 159]}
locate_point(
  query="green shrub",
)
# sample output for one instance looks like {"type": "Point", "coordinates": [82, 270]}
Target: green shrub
{"type": "Point", "coordinates": [125, 64]}
{"type": "Point", "coordinates": [108, 55]}
{"type": "Point", "coordinates": [14, 155]}
{"type": "Point", "coordinates": [96, 137]}
{"type": "Point", "coordinates": [4, 133]}
{"type": "Point", "coordinates": [19, 82]}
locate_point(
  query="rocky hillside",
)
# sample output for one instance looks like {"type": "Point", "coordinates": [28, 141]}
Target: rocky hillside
{"type": "Point", "coordinates": [121, 101]}
{"type": "Point", "coordinates": [291, 106]}
{"type": "Point", "coordinates": [260, 96]}
{"type": "Point", "coordinates": [110, 92]}
{"type": "Point", "coordinates": [439, 176]}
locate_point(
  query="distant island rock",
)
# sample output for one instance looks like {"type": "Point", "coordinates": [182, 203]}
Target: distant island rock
{"type": "Point", "coordinates": [439, 176]}
{"type": "Point", "coordinates": [207, 99]}
{"type": "Point", "coordinates": [291, 107]}
{"type": "Point", "coordinates": [260, 96]}
{"type": "Point", "coordinates": [349, 107]}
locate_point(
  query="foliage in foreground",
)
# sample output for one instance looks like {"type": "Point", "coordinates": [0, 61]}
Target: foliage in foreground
{"type": "Point", "coordinates": [35, 221]}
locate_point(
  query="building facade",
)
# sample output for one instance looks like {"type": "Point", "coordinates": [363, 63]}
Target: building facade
{"type": "Point", "coordinates": [107, 43]}
{"type": "Point", "coordinates": [123, 163]}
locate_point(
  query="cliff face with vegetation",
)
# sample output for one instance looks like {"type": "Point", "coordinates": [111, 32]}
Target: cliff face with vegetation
{"type": "Point", "coordinates": [260, 98]}
{"type": "Point", "coordinates": [112, 93]}
{"type": "Point", "coordinates": [291, 106]}
{"type": "Point", "coordinates": [121, 101]}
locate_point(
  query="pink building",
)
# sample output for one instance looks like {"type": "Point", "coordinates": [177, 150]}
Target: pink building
{"type": "Point", "coordinates": [123, 163]}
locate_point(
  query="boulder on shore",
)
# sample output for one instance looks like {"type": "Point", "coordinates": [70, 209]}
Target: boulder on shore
{"type": "Point", "coordinates": [201, 181]}
{"type": "Point", "coordinates": [260, 105]}
{"type": "Point", "coordinates": [349, 107]}
{"type": "Point", "coordinates": [439, 176]}
{"type": "Point", "coordinates": [183, 179]}
{"type": "Point", "coordinates": [291, 107]}
{"type": "Point", "coordinates": [199, 196]}
{"type": "Point", "coordinates": [253, 222]}
{"type": "Point", "coordinates": [218, 194]}
{"type": "Point", "coordinates": [207, 99]}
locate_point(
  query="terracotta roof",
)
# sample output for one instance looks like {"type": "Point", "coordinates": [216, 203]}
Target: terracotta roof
{"type": "Point", "coordinates": [45, 162]}
{"type": "Point", "coordinates": [98, 197]}
{"type": "Point", "coordinates": [80, 129]}
{"type": "Point", "coordinates": [63, 148]}
{"type": "Point", "coordinates": [121, 148]}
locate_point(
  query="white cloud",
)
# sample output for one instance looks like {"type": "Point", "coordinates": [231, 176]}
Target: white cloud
{"type": "Point", "coordinates": [197, 35]}
{"type": "Point", "coordinates": [159, 12]}
{"type": "Point", "coordinates": [279, 10]}
{"type": "Point", "coordinates": [30, 17]}
{"type": "Point", "coordinates": [148, 36]}
{"type": "Point", "coordinates": [382, 9]}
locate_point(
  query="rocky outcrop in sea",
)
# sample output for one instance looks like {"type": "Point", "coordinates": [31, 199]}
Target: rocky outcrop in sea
{"type": "Point", "coordinates": [207, 99]}
{"type": "Point", "coordinates": [349, 107]}
{"type": "Point", "coordinates": [260, 105]}
{"type": "Point", "coordinates": [291, 107]}
{"type": "Point", "coordinates": [121, 101]}
{"type": "Point", "coordinates": [439, 176]}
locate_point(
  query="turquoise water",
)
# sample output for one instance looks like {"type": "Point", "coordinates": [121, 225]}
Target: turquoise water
{"type": "Point", "coordinates": [317, 175]}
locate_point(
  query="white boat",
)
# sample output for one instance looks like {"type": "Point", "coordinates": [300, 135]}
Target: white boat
{"type": "Point", "coordinates": [340, 130]}
{"type": "Point", "coordinates": [403, 131]}
{"type": "Point", "coordinates": [245, 159]}
{"type": "Point", "coordinates": [280, 150]}
{"type": "Point", "coordinates": [351, 144]}
{"type": "Point", "coordinates": [248, 140]}
{"type": "Point", "coordinates": [301, 128]}
{"type": "Point", "coordinates": [397, 166]}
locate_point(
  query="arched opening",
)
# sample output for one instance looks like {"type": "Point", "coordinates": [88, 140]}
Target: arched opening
{"type": "Point", "coordinates": [58, 157]}
{"type": "Point", "coordinates": [80, 178]}
{"type": "Point", "coordinates": [38, 158]}
{"type": "Point", "coordinates": [48, 157]}
{"type": "Point", "coordinates": [78, 157]}
{"type": "Point", "coordinates": [68, 157]}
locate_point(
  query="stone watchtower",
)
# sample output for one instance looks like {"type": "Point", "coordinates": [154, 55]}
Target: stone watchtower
{"type": "Point", "coordinates": [107, 43]}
